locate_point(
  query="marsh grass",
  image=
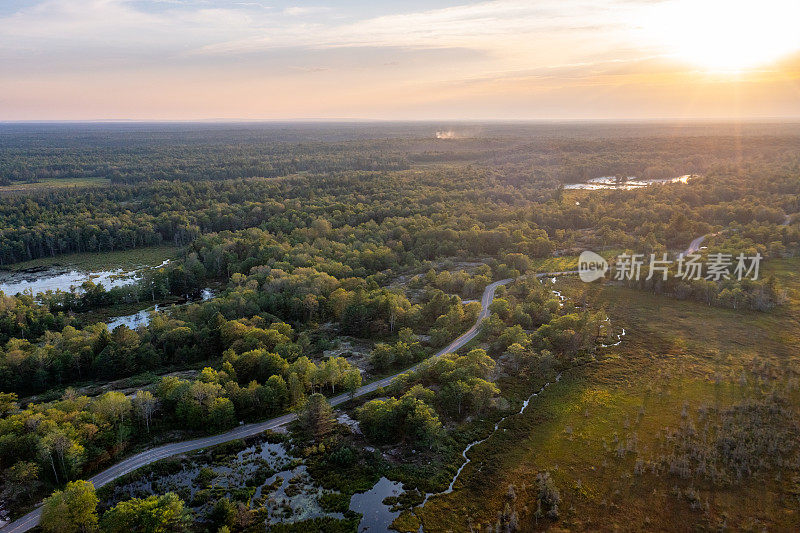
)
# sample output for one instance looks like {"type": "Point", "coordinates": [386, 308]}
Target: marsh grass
{"type": "Point", "coordinates": [21, 188]}
{"type": "Point", "coordinates": [598, 431]}
{"type": "Point", "coordinates": [95, 261]}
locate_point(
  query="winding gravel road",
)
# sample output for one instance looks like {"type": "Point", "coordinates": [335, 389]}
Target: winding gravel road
{"type": "Point", "coordinates": [147, 457]}
{"type": "Point", "coordinates": [694, 246]}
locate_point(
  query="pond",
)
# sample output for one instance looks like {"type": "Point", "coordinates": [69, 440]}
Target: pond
{"type": "Point", "coordinates": [377, 516]}
{"type": "Point", "coordinates": [142, 318]}
{"type": "Point", "coordinates": [629, 183]}
{"type": "Point", "coordinates": [54, 279]}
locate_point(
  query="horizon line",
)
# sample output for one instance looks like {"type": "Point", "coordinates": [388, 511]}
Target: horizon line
{"type": "Point", "coordinates": [346, 120]}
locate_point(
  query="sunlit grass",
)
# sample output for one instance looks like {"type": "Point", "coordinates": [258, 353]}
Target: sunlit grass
{"type": "Point", "coordinates": [53, 183]}
{"type": "Point", "coordinates": [94, 261]}
{"type": "Point", "coordinates": [565, 262]}
{"type": "Point", "coordinates": [676, 355]}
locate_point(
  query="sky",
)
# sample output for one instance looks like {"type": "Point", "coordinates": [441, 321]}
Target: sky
{"type": "Point", "coordinates": [398, 59]}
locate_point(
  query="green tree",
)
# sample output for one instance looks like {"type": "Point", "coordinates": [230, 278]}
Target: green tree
{"type": "Point", "coordinates": [351, 380]}
{"type": "Point", "coordinates": [21, 481]}
{"type": "Point", "coordinates": [221, 414]}
{"type": "Point", "coordinates": [8, 403]}
{"type": "Point", "coordinates": [454, 394]}
{"type": "Point", "coordinates": [296, 389]}
{"type": "Point", "coordinates": [500, 307]}
{"type": "Point", "coordinates": [154, 514]}
{"type": "Point", "coordinates": [316, 417]}
{"type": "Point", "coordinates": [409, 419]}
{"type": "Point", "coordinates": [223, 514]}
{"type": "Point", "coordinates": [420, 422]}
{"type": "Point", "coordinates": [382, 357]}
{"type": "Point", "coordinates": [113, 407]}
{"type": "Point", "coordinates": [482, 393]}
{"type": "Point", "coordinates": [406, 336]}
{"type": "Point", "coordinates": [548, 498]}
{"type": "Point", "coordinates": [71, 510]}
{"type": "Point", "coordinates": [60, 452]}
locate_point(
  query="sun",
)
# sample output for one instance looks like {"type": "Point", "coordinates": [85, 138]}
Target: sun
{"type": "Point", "coordinates": [725, 35]}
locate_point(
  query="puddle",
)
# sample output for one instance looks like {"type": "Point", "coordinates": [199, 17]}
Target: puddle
{"type": "Point", "coordinates": [263, 475]}
{"type": "Point", "coordinates": [290, 496]}
{"type": "Point", "coordinates": [50, 280]}
{"type": "Point", "coordinates": [377, 515]}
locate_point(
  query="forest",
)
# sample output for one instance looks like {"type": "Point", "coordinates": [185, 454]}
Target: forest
{"type": "Point", "coordinates": [315, 234]}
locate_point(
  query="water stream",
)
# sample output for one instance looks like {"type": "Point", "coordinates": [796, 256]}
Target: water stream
{"type": "Point", "coordinates": [378, 516]}
{"type": "Point", "coordinates": [142, 318]}
{"type": "Point", "coordinates": [285, 504]}
{"type": "Point", "coordinates": [525, 404]}
{"type": "Point", "coordinates": [619, 340]}
{"type": "Point", "coordinates": [467, 460]}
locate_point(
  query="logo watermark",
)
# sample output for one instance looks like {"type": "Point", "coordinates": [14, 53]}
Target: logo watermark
{"type": "Point", "coordinates": [631, 267]}
{"type": "Point", "coordinates": [591, 266]}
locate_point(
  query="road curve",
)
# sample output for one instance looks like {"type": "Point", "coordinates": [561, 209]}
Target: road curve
{"type": "Point", "coordinates": [694, 246]}
{"type": "Point", "coordinates": [147, 457]}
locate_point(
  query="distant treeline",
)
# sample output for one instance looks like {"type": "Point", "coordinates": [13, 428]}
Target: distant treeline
{"type": "Point", "coordinates": [189, 163]}
{"type": "Point", "coordinates": [118, 218]}
{"type": "Point", "coordinates": [561, 153]}
{"type": "Point", "coordinates": [470, 210]}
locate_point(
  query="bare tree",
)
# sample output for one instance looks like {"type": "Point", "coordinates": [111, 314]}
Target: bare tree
{"type": "Point", "coordinates": [146, 405]}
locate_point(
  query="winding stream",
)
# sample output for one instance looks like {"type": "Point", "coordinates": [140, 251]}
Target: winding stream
{"type": "Point", "coordinates": [619, 340]}
{"type": "Point", "coordinates": [467, 460]}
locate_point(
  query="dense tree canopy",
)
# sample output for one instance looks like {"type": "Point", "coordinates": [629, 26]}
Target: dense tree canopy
{"type": "Point", "coordinates": [307, 242]}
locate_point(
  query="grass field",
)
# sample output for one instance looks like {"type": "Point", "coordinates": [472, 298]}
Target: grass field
{"type": "Point", "coordinates": [94, 261]}
{"type": "Point", "coordinates": [57, 183]}
{"type": "Point", "coordinates": [591, 429]}
{"type": "Point", "coordinates": [566, 262]}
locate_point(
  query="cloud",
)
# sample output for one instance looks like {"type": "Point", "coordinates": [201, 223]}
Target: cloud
{"type": "Point", "coordinates": [308, 69]}
{"type": "Point", "coordinates": [297, 11]}
{"type": "Point", "coordinates": [234, 57]}
{"type": "Point", "coordinates": [494, 23]}
{"type": "Point", "coordinates": [246, 26]}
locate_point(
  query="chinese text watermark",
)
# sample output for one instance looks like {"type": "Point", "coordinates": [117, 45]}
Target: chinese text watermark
{"type": "Point", "coordinates": [633, 267]}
